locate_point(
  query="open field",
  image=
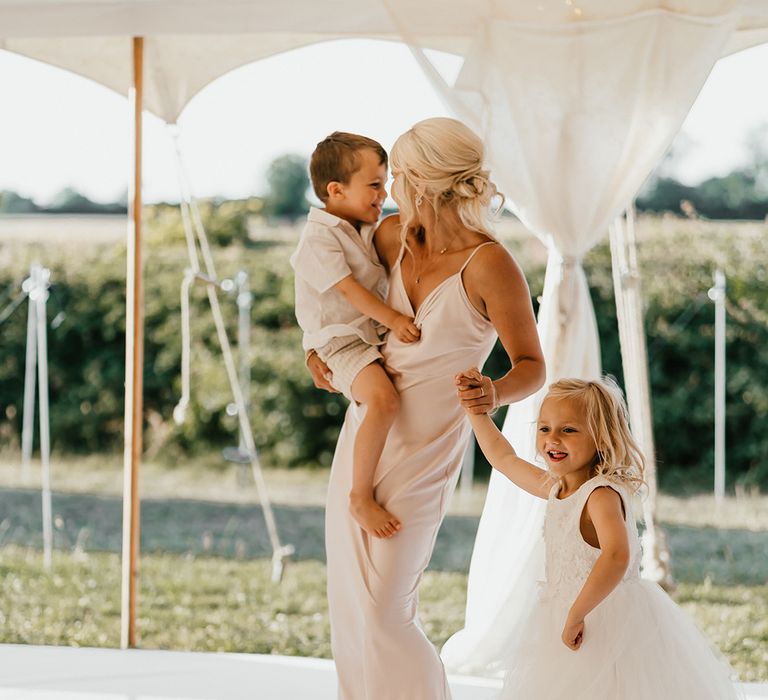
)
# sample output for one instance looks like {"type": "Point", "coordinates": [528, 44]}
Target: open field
{"type": "Point", "coordinates": [100, 228]}
{"type": "Point", "coordinates": [205, 583]}
{"type": "Point", "coordinates": [211, 478]}
{"type": "Point", "coordinates": [63, 229]}
{"type": "Point", "coordinates": [211, 604]}
{"type": "Point", "coordinates": [93, 523]}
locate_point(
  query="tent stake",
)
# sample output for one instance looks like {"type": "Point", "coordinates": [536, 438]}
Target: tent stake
{"type": "Point", "coordinates": [134, 362]}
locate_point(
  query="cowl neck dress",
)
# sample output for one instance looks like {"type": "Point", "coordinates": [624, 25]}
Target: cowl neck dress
{"type": "Point", "coordinates": [379, 647]}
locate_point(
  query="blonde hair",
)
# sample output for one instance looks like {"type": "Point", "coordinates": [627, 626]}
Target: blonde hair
{"type": "Point", "coordinates": [441, 160]}
{"type": "Point", "coordinates": [618, 455]}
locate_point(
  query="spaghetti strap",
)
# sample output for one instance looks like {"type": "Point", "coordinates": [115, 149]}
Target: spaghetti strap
{"type": "Point", "coordinates": [472, 254]}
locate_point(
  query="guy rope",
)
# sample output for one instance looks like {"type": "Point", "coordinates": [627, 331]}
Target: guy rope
{"type": "Point", "coordinates": [195, 235]}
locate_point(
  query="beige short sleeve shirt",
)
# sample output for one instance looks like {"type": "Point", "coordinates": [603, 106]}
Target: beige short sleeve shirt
{"type": "Point", "coordinates": [329, 250]}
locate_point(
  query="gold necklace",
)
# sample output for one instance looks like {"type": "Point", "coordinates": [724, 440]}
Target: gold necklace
{"type": "Point", "coordinates": [420, 273]}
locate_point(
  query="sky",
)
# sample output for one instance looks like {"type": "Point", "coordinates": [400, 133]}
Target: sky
{"type": "Point", "coordinates": [59, 130]}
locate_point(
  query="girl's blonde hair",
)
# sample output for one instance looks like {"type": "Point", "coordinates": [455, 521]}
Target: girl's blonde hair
{"type": "Point", "coordinates": [441, 161]}
{"type": "Point", "coordinates": [618, 455]}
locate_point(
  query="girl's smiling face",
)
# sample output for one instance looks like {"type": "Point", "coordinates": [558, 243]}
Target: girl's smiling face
{"type": "Point", "coordinates": [562, 438]}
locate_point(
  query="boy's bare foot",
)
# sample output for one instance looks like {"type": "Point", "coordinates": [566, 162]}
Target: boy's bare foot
{"type": "Point", "coordinates": [374, 519]}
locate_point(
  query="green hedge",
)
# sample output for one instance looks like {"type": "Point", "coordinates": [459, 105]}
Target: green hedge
{"type": "Point", "coordinates": [677, 260]}
{"type": "Point", "coordinates": [296, 424]}
{"type": "Point", "coordinates": [293, 423]}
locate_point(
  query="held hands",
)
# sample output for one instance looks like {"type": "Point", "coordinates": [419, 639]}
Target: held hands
{"type": "Point", "coordinates": [405, 329]}
{"type": "Point", "coordinates": [476, 392]}
{"type": "Point", "coordinates": [573, 633]}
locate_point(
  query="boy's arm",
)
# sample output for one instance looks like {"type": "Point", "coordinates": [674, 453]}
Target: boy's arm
{"type": "Point", "coordinates": [605, 510]}
{"type": "Point", "coordinates": [370, 305]}
{"type": "Point", "coordinates": [502, 457]}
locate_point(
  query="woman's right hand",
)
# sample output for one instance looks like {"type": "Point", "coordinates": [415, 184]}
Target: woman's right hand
{"type": "Point", "coordinates": [405, 329]}
{"type": "Point", "coordinates": [321, 375]}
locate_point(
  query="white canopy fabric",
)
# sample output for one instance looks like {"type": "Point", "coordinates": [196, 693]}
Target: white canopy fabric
{"type": "Point", "coordinates": [189, 43]}
{"type": "Point", "coordinates": [576, 100]}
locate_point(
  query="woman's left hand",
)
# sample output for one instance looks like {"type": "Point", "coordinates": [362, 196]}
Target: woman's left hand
{"type": "Point", "coordinates": [476, 392]}
{"type": "Point", "coordinates": [573, 633]}
{"type": "Point", "coordinates": [321, 374]}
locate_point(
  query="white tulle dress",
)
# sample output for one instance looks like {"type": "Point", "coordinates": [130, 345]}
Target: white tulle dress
{"type": "Point", "coordinates": [638, 645]}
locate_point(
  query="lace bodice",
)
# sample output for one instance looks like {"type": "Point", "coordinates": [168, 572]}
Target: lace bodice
{"type": "Point", "coordinates": [569, 559]}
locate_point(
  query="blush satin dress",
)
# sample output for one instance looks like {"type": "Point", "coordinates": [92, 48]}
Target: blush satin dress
{"type": "Point", "coordinates": [379, 647]}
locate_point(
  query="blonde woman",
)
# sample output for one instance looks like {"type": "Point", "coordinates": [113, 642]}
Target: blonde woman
{"type": "Point", "coordinates": [597, 630]}
{"type": "Point", "coordinates": [463, 289]}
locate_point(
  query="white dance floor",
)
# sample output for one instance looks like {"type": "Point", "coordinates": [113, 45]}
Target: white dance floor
{"type": "Point", "coordinates": [66, 673]}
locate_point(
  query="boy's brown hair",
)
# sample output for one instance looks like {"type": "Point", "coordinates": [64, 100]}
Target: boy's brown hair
{"type": "Point", "coordinates": [335, 159]}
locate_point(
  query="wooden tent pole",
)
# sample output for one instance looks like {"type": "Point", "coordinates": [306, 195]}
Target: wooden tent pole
{"type": "Point", "coordinates": [134, 363]}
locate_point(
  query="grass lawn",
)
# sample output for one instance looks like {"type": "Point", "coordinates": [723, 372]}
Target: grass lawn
{"type": "Point", "coordinates": [212, 604]}
{"type": "Point", "coordinates": [205, 581]}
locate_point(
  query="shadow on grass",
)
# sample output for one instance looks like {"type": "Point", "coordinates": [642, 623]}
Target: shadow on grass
{"type": "Point", "coordinates": [94, 523]}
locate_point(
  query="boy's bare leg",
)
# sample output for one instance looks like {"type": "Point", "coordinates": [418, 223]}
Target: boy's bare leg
{"type": "Point", "coordinates": [373, 388]}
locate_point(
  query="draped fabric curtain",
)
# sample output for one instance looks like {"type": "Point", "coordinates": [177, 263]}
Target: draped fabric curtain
{"type": "Point", "coordinates": [574, 118]}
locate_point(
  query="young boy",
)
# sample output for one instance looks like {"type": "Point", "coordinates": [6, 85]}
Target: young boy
{"type": "Point", "coordinates": [340, 284]}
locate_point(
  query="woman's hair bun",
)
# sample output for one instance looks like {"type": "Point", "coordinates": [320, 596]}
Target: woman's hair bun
{"type": "Point", "coordinates": [441, 160]}
{"type": "Point", "coordinates": [474, 185]}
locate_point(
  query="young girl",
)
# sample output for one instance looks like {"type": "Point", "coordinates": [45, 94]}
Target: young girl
{"type": "Point", "coordinates": [597, 630]}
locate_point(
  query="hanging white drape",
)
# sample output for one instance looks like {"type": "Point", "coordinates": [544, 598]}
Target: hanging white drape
{"type": "Point", "coordinates": [574, 119]}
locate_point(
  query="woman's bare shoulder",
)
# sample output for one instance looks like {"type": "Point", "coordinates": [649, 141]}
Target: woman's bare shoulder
{"type": "Point", "coordinates": [389, 227]}
{"type": "Point", "coordinates": [494, 262]}
{"type": "Point", "coordinates": [494, 278]}
{"type": "Point", "coordinates": [387, 239]}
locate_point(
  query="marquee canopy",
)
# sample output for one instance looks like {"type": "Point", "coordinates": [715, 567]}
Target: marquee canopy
{"type": "Point", "coordinates": [189, 43]}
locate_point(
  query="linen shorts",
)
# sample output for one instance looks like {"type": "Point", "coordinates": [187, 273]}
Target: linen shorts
{"type": "Point", "coordinates": [346, 356]}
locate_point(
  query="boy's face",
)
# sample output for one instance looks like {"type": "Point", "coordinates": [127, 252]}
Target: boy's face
{"type": "Point", "coordinates": [360, 200]}
{"type": "Point", "coordinates": [563, 439]}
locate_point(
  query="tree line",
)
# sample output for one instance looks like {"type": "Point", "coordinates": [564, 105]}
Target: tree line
{"type": "Point", "coordinates": [286, 198]}
{"type": "Point", "coordinates": [741, 194]}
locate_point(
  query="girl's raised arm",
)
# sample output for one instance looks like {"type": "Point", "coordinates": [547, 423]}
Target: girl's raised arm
{"type": "Point", "coordinates": [502, 457]}
{"type": "Point", "coordinates": [500, 454]}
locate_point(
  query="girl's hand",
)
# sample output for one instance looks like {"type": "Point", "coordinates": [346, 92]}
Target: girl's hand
{"type": "Point", "coordinates": [476, 392]}
{"type": "Point", "coordinates": [573, 633]}
{"type": "Point", "coordinates": [321, 375]}
{"type": "Point", "coordinates": [405, 329]}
